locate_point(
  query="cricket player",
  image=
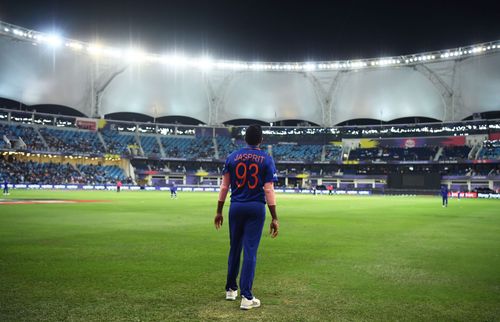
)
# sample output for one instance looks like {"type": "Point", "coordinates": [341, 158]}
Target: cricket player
{"type": "Point", "coordinates": [251, 173]}
{"type": "Point", "coordinates": [444, 195]}
{"type": "Point", "coordinates": [5, 187]}
{"type": "Point", "coordinates": [173, 191]}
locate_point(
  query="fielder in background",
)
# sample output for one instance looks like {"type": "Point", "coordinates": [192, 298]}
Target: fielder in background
{"type": "Point", "coordinates": [5, 187]}
{"type": "Point", "coordinates": [444, 195]}
{"type": "Point", "coordinates": [251, 173]}
{"type": "Point", "coordinates": [173, 190]}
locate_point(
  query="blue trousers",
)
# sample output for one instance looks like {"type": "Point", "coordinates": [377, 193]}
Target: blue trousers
{"type": "Point", "coordinates": [246, 220]}
{"type": "Point", "coordinates": [445, 200]}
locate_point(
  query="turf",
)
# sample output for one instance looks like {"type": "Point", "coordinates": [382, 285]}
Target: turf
{"type": "Point", "coordinates": [143, 257]}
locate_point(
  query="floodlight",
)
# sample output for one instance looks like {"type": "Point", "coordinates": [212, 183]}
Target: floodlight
{"type": "Point", "coordinates": [112, 52]}
{"type": "Point", "coordinates": [175, 60]}
{"type": "Point", "coordinates": [74, 45]}
{"type": "Point", "coordinates": [53, 40]}
{"type": "Point", "coordinates": [309, 66]}
{"type": "Point", "coordinates": [204, 63]}
{"type": "Point", "coordinates": [95, 49]}
{"type": "Point", "coordinates": [135, 55]}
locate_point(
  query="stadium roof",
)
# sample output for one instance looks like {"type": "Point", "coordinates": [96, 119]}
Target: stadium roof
{"type": "Point", "coordinates": [97, 80]}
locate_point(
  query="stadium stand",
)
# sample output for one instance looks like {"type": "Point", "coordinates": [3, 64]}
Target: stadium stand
{"type": "Point", "coordinates": [73, 141]}
{"type": "Point", "coordinates": [96, 174]}
{"type": "Point", "coordinates": [490, 150]}
{"type": "Point", "coordinates": [226, 146]}
{"type": "Point", "coordinates": [455, 153]}
{"type": "Point", "coordinates": [16, 171]}
{"type": "Point", "coordinates": [409, 154]}
{"type": "Point", "coordinates": [394, 154]}
{"type": "Point", "coordinates": [189, 148]}
{"type": "Point", "coordinates": [150, 146]}
{"type": "Point", "coordinates": [182, 156]}
{"type": "Point", "coordinates": [365, 154]}
{"type": "Point", "coordinates": [41, 173]}
{"type": "Point", "coordinates": [26, 133]}
{"type": "Point", "coordinates": [141, 165]}
{"type": "Point", "coordinates": [118, 143]}
{"type": "Point", "coordinates": [333, 153]}
{"type": "Point", "coordinates": [296, 152]}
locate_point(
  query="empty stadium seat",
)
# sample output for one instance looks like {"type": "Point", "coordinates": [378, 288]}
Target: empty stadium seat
{"type": "Point", "coordinates": [72, 141]}
{"type": "Point", "coordinates": [118, 143]}
{"type": "Point", "coordinates": [189, 148]}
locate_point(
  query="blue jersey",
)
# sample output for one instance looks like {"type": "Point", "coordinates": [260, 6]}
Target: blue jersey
{"type": "Point", "coordinates": [444, 191]}
{"type": "Point", "coordinates": [249, 168]}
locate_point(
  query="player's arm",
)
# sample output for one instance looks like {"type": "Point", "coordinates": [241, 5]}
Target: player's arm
{"type": "Point", "coordinates": [271, 204]}
{"type": "Point", "coordinates": [224, 188]}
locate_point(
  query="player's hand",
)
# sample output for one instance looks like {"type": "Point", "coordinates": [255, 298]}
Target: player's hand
{"type": "Point", "coordinates": [218, 221]}
{"type": "Point", "coordinates": [273, 231]}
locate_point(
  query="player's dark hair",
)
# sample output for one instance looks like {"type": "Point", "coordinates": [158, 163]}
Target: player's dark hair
{"type": "Point", "coordinates": [253, 135]}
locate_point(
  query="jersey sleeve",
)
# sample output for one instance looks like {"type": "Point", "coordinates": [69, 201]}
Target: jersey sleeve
{"type": "Point", "coordinates": [270, 175]}
{"type": "Point", "coordinates": [226, 167]}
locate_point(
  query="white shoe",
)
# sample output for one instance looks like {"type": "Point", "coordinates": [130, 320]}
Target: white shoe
{"type": "Point", "coordinates": [231, 295]}
{"type": "Point", "coordinates": [249, 304]}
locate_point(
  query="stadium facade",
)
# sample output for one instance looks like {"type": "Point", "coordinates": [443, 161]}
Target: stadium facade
{"type": "Point", "coordinates": [95, 81]}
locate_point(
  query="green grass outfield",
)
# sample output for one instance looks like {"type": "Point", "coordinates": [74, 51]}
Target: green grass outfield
{"type": "Point", "coordinates": [144, 257]}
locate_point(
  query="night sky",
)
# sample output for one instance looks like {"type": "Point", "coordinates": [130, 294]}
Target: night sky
{"type": "Point", "coordinates": [266, 30]}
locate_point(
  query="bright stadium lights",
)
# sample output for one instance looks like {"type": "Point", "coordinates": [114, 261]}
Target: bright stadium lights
{"type": "Point", "coordinates": [174, 60]}
{"type": "Point", "coordinates": [113, 52]}
{"type": "Point", "coordinates": [74, 45]}
{"type": "Point", "coordinates": [359, 64]}
{"type": "Point", "coordinates": [53, 40]}
{"type": "Point", "coordinates": [309, 66]}
{"type": "Point", "coordinates": [256, 66]}
{"type": "Point", "coordinates": [240, 66]}
{"type": "Point", "coordinates": [95, 49]}
{"type": "Point", "coordinates": [135, 55]}
{"type": "Point", "coordinates": [206, 63]}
